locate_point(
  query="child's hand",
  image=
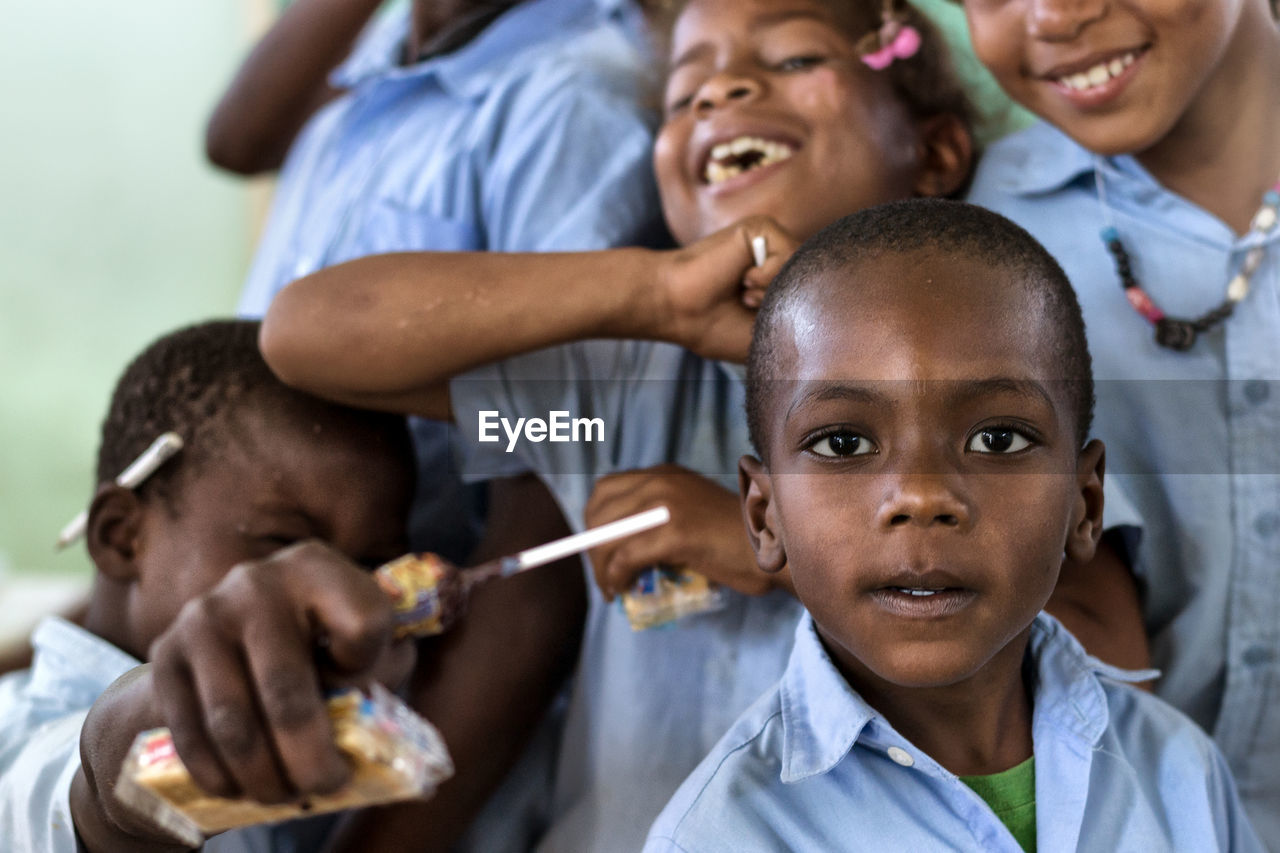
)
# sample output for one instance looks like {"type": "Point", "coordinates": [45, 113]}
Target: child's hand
{"type": "Point", "coordinates": [237, 676]}
{"type": "Point", "coordinates": [102, 822]}
{"type": "Point", "coordinates": [713, 287]}
{"type": "Point", "coordinates": [705, 534]}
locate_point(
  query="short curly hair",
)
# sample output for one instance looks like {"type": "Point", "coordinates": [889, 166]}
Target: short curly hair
{"type": "Point", "coordinates": [194, 381]}
{"type": "Point", "coordinates": [913, 225]}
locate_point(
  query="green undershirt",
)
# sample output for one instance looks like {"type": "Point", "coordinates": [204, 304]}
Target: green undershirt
{"type": "Point", "coordinates": [1012, 796]}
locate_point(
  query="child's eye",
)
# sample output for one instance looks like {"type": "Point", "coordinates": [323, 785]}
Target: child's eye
{"type": "Point", "coordinates": [679, 104]}
{"type": "Point", "coordinates": [998, 440]}
{"type": "Point", "coordinates": [842, 444]}
{"type": "Point", "coordinates": [800, 63]}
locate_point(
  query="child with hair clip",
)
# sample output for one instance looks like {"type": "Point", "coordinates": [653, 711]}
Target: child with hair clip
{"type": "Point", "coordinates": [1153, 179]}
{"type": "Point", "coordinates": [801, 109]}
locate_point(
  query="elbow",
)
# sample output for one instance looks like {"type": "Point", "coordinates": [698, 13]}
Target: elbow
{"type": "Point", "coordinates": [236, 153]}
{"type": "Point", "coordinates": [282, 348]}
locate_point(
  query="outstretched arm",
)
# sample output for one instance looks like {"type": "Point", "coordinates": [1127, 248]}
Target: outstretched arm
{"type": "Point", "coordinates": [282, 83]}
{"type": "Point", "coordinates": [389, 331]}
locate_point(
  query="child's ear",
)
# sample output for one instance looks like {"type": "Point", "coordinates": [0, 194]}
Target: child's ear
{"type": "Point", "coordinates": [1086, 519]}
{"type": "Point", "coordinates": [946, 156]}
{"type": "Point", "coordinates": [115, 524]}
{"type": "Point", "coordinates": [755, 490]}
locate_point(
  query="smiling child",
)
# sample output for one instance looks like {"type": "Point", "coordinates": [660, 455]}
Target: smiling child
{"type": "Point", "coordinates": [1153, 181]}
{"type": "Point", "coordinates": [919, 395]}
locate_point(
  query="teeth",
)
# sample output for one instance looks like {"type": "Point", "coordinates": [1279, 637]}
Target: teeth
{"type": "Point", "coordinates": [732, 158]}
{"type": "Point", "coordinates": [918, 592]}
{"type": "Point", "coordinates": [1098, 74]}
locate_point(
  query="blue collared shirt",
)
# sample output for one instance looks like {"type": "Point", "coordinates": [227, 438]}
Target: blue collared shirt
{"type": "Point", "coordinates": [1192, 437]}
{"type": "Point", "coordinates": [42, 710]}
{"type": "Point", "coordinates": [534, 136]}
{"type": "Point", "coordinates": [646, 706]}
{"type": "Point", "coordinates": [813, 767]}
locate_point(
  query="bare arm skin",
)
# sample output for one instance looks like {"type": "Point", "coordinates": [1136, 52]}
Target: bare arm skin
{"type": "Point", "coordinates": [1100, 605]}
{"type": "Point", "coordinates": [282, 82]}
{"type": "Point", "coordinates": [389, 331]}
{"type": "Point", "coordinates": [488, 682]}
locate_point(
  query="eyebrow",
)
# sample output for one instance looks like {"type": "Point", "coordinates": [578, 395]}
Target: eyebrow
{"type": "Point", "coordinates": [958, 390]}
{"type": "Point", "coordinates": [769, 19]}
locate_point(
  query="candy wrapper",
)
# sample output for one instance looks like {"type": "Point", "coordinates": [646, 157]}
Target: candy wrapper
{"type": "Point", "coordinates": [428, 593]}
{"type": "Point", "coordinates": [395, 755]}
{"type": "Point", "coordinates": [660, 595]}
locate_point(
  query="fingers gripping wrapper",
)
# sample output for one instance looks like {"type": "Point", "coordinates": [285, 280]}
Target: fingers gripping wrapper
{"type": "Point", "coordinates": [394, 753]}
{"type": "Point", "coordinates": [661, 595]}
{"type": "Point", "coordinates": [428, 594]}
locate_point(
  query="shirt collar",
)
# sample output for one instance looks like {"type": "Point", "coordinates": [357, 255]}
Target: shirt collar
{"type": "Point", "coordinates": [471, 69]}
{"type": "Point", "coordinates": [1040, 159]}
{"type": "Point", "coordinates": [823, 717]}
{"type": "Point", "coordinates": [70, 660]}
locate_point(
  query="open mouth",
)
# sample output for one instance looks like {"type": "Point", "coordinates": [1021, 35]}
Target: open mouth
{"type": "Point", "coordinates": [1097, 75]}
{"type": "Point", "coordinates": [744, 154]}
{"type": "Point", "coordinates": [933, 595]}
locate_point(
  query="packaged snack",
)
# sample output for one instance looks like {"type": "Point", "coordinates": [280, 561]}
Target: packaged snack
{"type": "Point", "coordinates": [395, 754]}
{"type": "Point", "coordinates": [662, 594]}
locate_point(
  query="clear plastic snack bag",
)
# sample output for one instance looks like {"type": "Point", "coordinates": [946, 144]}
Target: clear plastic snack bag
{"type": "Point", "coordinates": [663, 594]}
{"type": "Point", "coordinates": [395, 755]}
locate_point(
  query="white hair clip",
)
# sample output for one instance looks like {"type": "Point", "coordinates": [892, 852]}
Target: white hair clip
{"type": "Point", "coordinates": [131, 477]}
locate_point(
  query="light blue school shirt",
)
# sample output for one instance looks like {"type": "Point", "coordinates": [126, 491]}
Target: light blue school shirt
{"type": "Point", "coordinates": [1192, 437]}
{"type": "Point", "coordinates": [534, 136]}
{"type": "Point", "coordinates": [646, 706]}
{"type": "Point", "coordinates": [42, 710]}
{"type": "Point", "coordinates": [813, 767]}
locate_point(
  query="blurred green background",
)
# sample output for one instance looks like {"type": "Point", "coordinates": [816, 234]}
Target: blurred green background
{"type": "Point", "coordinates": [112, 229]}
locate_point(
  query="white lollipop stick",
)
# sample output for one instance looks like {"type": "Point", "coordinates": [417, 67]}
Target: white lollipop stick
{"type": "Point", "coordinates": [759, 249]}
{"type": "Point", "coordinates": [575, 544]}
{"type": "Point", "coordinates": [130, 478]}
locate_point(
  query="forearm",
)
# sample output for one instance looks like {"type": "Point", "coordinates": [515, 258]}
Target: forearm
{"type": "Point", "coordinates": [387, 331]}
{"type": "Point", "coordinates": [1100, 604]}
{"type": "Point", "coordinates": [282, 82]}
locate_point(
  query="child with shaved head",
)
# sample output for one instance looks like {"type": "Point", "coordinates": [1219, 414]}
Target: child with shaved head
{"type": "Point", "coordinates": [919, 397]}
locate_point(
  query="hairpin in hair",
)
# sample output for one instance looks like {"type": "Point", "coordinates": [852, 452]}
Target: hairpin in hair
{"type": "Point", "coordinates": [895, 39]}
{"type": "Point", "coordinates": [130, 478]}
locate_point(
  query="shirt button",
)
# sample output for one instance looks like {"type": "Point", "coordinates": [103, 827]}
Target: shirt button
{"type": "Point", "coordinates": [1257, 391]}
{"type": "Point", "coordinates": [901, 756]}
{"type": "Point", "coordinates": [1267, 524]}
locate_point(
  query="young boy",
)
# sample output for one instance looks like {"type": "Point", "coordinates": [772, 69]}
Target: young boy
{"type": "Point", "coordinates": [233, 673]}
{"type": "Point", "coordinates": [919, 394]}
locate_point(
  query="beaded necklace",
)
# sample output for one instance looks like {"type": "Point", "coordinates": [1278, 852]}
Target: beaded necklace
{"type": "Point", "coordinates": [1175, 332]}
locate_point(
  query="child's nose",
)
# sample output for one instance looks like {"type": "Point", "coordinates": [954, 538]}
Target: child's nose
{"type": "Point", "coordinates": [923, 500]}
{"type": "Point", "coordinates": [726, 86]}
{"type": "Point", "coordinates": [1062, 20]}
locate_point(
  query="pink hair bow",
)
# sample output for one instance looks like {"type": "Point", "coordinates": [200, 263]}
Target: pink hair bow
{"type": "Point", "coordinates": [898, 42]}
